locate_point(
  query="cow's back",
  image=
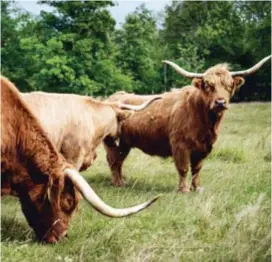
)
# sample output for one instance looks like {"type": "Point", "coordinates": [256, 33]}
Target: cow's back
{"type": "Point", "coordinates": [131, 99]}
{"type": "Point", "coordinates": [60, 115]}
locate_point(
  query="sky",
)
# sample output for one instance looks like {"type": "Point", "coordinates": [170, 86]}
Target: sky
{"type": "Point", "coordinates": [119, 11]}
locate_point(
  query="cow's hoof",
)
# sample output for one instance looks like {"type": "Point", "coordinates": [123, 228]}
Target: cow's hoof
{"type": "Point", "coordinates": [119, 183]}
{"type": "Point", "coordinates": [184, 190]}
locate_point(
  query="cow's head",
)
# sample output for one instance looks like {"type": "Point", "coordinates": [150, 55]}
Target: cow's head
{"type": "Point", "coordinates": [218, 84]}
{"type": "Point", "coordinates": [49, 207]}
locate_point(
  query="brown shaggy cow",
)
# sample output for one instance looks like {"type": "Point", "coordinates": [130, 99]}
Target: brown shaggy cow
{"type": "Point", "coordinates": [78, 124]}
{"type": "Point", "coordinates": [32, 169]}
{"type": "Point", "coordinates": [184, 124]}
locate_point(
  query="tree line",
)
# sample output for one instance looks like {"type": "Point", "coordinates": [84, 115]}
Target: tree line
{"type": "Point", "coordinates": [77, 48]}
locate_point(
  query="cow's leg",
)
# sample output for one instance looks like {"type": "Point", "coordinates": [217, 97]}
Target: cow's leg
{"type": "Point", "coordinates": [181, 156]}
{"type": "Point", "coordinates": [196, 165]}
{"type": "Point", "coordinates": [115, 157]}
{"type": "Point", "coordinates": [73, 151]}
{"type": "Point", "coordinates": [87, 161]}
{"type": "Point", "coordinates": [118, 165]}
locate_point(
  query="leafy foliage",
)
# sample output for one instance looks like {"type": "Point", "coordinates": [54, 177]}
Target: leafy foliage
{"type": "Point", "coordinates": [139, 53]}
{"type": "Point", "coordinates": [75, 48]}
{"type": "Point", "coordinates": [233, 32]}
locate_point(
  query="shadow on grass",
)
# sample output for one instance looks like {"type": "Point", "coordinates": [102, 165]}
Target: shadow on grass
{"type": "Point", "coordinates": [13, 230]}
{"type": "Point", "coordinates": [134, 184]}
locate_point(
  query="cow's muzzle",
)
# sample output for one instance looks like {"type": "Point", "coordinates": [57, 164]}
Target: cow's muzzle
{"type": "Point", "coordinates": [55, 233]}
{"type": "Point", "coordinates": [220, 104]}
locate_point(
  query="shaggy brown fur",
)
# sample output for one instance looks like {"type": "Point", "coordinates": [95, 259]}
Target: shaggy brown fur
{"type": "Point", "coordinates": [184, 124]}
{"type": "Point", "coordinates": [32, 169]}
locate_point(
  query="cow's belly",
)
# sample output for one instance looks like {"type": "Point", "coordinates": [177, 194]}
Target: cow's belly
{"type": "Point", "coordinates": [152, 145]}
{"type": "Point", "coordinates": [154, 150]}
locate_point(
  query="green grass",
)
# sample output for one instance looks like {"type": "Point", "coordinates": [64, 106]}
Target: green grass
{"type": "Point", "coordinates": [230, 221]}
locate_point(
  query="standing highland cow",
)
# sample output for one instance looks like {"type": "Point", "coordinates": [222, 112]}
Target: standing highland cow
{"type": "Point", "coordinates": [184, 124]}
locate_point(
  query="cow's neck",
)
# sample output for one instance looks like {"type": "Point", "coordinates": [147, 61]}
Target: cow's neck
{"type": "Point", "coordinates": [214, 121]}
{"type": "Point", "coordinates": [208, 120]}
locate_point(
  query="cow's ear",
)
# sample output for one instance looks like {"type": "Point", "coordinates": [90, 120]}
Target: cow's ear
{"type": "Point", "coordinates": [69, 196]}
{"type": "Point", "coordinates": [238, 82]}
{"type": "Point", "coordinates": [198, 83]}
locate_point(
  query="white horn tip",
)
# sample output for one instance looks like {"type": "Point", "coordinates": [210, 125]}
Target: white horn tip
{"type": "Point", "coordinates": [266, 58]}
{"type": "Point", "coordinates": [154, 199]}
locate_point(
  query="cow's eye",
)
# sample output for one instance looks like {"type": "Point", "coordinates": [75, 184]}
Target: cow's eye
{"type": "Point", "coordinates": [67, 203]}
{"type": "Point", "coordinates": [209, 88]}
{"type": "Point", "coordinates": [212, 88]}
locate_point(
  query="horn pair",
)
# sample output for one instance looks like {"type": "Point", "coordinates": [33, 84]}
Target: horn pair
{"type": "Point", "coordinates": [187, 74]}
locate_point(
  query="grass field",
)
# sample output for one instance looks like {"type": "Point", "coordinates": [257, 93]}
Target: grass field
{"type": "Point", "coordinates": [229, 221]}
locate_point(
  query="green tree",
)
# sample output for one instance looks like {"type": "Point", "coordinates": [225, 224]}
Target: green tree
{"type": "Point", "coordinates": [235, 32]}
{"type": "Point", "coordinates": [69, 49]}
{"type": "Point", "coordinates": [75, 48]}
{"type": "Point", "coordinates": [140, 52]}
{"type": "Point", "coordinates": [85, 61]}
{"type": "Point", "coordinates": [15, 25]}
{"type": "Point", "coordinates": [256, 41]}
{"type": "Point", "coordinates": [208, 26]}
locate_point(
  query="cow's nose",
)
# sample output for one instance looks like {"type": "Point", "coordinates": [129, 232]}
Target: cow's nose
{"type": "Point", "coordinates": [220, 102]}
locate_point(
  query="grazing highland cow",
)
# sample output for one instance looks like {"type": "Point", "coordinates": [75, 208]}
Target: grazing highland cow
{"type": "Point", "coordinates": [184, 124]}
{"type": "Point", "coordinates": [31, 168]}
{"type": "Point", "coordinates": [78, 124]}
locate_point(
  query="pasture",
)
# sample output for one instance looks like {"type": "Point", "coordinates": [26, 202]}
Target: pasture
{"type": "Point", "coordinates": [229, 221]}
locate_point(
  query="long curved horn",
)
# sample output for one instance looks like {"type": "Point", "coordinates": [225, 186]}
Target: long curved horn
{"type": "Point", "coordinates": [252, 69]}
{"type": "Point", "coordinates": [183, 72]}
{"type": "Point", "coordinates": [95, 201]}
{"type": "Point", "coordinates": [138, 107]}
